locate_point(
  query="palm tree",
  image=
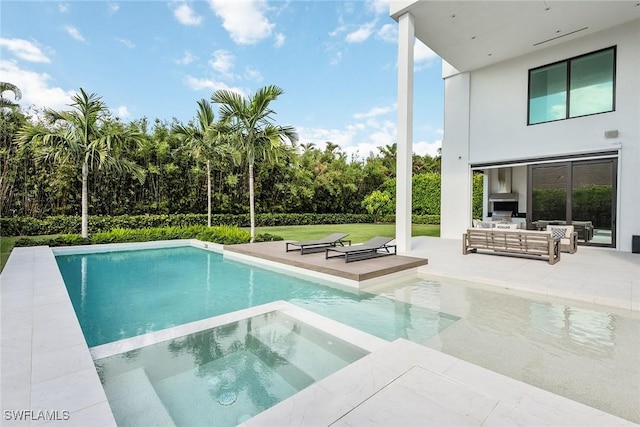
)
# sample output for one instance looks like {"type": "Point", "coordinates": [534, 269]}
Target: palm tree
{"type": "Point", "coordinates": [8, 87]}
{"type": "Point", "coordinates": [83, 136]}
{"type": "Point", "coordinates": [204, 140]}
{"type": "Point", "coordinates": [254, 134]}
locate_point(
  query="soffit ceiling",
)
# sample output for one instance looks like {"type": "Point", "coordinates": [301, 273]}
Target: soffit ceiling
{"type": "Point", "coordinates": [474, 34]}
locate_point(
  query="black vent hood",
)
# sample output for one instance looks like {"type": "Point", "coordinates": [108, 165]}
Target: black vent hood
{"type": "Point", "coordinates": [503, 197]}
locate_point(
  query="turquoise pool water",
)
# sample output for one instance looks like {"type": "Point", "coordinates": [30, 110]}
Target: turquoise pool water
{"type": "Point", "coordinates": [118, 295]}
{"type": "Point", "coordinates": [221, 376]}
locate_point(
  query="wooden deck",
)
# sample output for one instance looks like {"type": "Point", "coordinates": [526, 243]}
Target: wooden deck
{"type": "Point", "coordinates": [359, 271]}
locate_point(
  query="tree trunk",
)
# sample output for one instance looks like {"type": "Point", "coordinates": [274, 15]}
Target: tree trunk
{"type": "Point", "coordinates": [85, 201]}
{"type": "Point", "coordinates": [208, 193]}
{"type": "Point", "coordinates": [252, 204]}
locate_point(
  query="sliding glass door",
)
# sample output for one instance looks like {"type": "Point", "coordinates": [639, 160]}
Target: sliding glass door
{"type": "Point", "coordinates": [593, 201]}
{"type": "Point", "coordinates": [581, 193]}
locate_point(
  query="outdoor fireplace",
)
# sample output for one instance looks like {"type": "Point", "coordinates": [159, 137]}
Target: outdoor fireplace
{"type": "Point", "coordinates": [506, 206]}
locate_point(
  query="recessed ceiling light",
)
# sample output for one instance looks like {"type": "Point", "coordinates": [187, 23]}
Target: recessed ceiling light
{"type": "Point", "coordinates": [473, 37]}
{"type": "Point", "coordinates": [453, 16]}
{"type": "Point", "coordinates": [489, 54]}
{"type": "Point", "coordinates": [558, 31]}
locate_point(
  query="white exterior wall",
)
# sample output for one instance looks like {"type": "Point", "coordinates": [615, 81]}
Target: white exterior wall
{"type": "Point", "coordinates": [455, 204]}
{"type": "Point", "coordinates": [498, 131]}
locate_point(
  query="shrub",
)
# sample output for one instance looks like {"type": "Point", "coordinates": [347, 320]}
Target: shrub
{"type": "Point", "coordinates": [27, 226]}
{"type": "Point", "coordinates": [266, 237]}
{"type": "Point", "coordinates": [376, 203]}
{"type": "Point", "coordinates": [223, 234]}
{"type": "Point", "coordinates": [415, 219]}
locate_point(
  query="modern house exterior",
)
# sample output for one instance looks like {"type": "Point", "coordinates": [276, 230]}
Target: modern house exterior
{"type": "Point", "coordinates": [543, 99]}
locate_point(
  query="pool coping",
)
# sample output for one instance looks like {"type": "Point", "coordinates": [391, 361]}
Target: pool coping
{"type": "Point", "coordinates": [331, 327]}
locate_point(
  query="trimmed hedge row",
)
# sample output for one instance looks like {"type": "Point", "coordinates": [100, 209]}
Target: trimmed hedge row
{"type": "Point", "coordinates": [224, 235]}
{"type": "Point", "coordinates": [415, 219]}
{"type": "Point", "coordinates": [27, 226]}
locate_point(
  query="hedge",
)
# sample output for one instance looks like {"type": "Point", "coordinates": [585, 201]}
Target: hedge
{"type": "Point", "coordinates": [28, 226]}
{"type": "Point", "coordinates": [415, 219]}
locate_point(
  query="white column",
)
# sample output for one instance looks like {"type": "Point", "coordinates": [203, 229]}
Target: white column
{"type": "Point", "coordinates": [405, 132]}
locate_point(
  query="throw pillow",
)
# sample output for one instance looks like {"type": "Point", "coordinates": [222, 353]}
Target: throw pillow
{"type": "Point", "coordinates": [558, 233]}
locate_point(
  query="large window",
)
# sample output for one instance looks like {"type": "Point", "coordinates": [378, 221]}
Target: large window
{"type": "Point", "coordinates": [576, 87]}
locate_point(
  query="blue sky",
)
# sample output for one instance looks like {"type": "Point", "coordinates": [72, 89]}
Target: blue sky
{"type": "Point", "coordinates": [335, 60]}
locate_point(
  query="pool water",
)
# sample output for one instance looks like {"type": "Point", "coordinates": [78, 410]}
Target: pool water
{"type": "Point", "coordinates": [227, 374]}
{"type": "Point", "coordinates": [118, 295]}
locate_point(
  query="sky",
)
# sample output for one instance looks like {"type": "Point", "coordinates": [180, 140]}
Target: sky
{"type": "Point", "coordinates": [335, 60]}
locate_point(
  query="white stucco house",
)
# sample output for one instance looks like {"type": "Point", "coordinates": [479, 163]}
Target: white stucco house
{"type": "Point", "coordinates": [543, 99]}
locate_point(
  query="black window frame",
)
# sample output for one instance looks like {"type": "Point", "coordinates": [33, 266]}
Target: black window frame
{"type": "Point", "coordinates": [568, 86]}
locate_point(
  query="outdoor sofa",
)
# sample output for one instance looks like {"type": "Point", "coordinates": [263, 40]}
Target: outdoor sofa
{"type": "Point", "coordinates": [319, 245]}
{"type": "Point", "coordinates": [583, 228]}
{"type": "Point", "coordinates": [376, 247]}
{"type": "Point", "coordinates": [512, 242]}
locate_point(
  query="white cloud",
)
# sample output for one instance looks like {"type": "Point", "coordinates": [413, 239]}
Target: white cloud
{"type": "Point", "coordinates": [361, 34]}
{"type": "Point", "coordinates": [253, 75]}
{"type": "Point", "coordinates": [24, 49]}
{"type": "Point", "coordinates": [374, 112]}
{"type": "Point", "coordinates": [423, 148]}
{"type": "Point", "coordinates": [319, 136]}
{"type": "Point", "coordinates": [74, 32]}
{"type": "Point", "coordinates": [186, 16]}
{"type": "Point", "coordinates": [200, 84]}
{"type": "Point", "coordinates": [113, 7]}
{"type": "Point", "coordinates": [388, 33]}
{"type": "Point", "coordinates": [369, 131]}
{"type": "Point", "coordinates": [222, 61]}
{"type": "Point", "coordinates": [422, 53]}
{"type": "Point", "coordinates": [127, 43]}
{"type": "Point", "coordinates": [341, 29]}
{"type": "Point", "coordinates": [379, 7]}
{"type": "Point", "coordinates": [337, 57]}
{"type": "Point", "coordinates": [280, 38]}
{"type": "Point", "coordinates": [35, 87]}
{"type": "Point", "coordinates": [244, 20]}
{"type": "Point", "coordinates": [63, 7]}
{"type": "Point", "coordinates": [186, 59]}
{"type": "Point", "coordinates": [122, 112]}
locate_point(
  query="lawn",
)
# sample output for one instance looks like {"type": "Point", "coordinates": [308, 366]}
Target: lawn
{"type": "Point", "coordinates": [357, 232]}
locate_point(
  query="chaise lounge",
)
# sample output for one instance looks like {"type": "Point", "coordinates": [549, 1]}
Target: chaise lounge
{"type": "Point", "coordinates": [319, 245]}
{"type": "Point", "coordinates": [376, 247]}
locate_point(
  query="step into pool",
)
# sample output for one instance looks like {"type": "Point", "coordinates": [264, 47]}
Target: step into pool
{"type": "Point", "coordinates": [228, 373]}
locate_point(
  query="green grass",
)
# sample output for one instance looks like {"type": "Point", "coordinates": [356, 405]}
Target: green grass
{"type": "Point", "coordinates": [358, 233]}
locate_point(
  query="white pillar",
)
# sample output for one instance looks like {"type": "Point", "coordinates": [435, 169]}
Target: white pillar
{"type": "Point", "coordinates": [404, 152]}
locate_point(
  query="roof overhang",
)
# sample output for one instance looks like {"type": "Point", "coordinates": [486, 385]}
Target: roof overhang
{"type": "Point", "coordinates": [474, 34]}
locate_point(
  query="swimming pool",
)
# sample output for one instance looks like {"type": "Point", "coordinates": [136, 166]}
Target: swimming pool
{"type": "Point", "coordinates": [117, 295]}
{"type": "Point", "coordinates": [577, 350]}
